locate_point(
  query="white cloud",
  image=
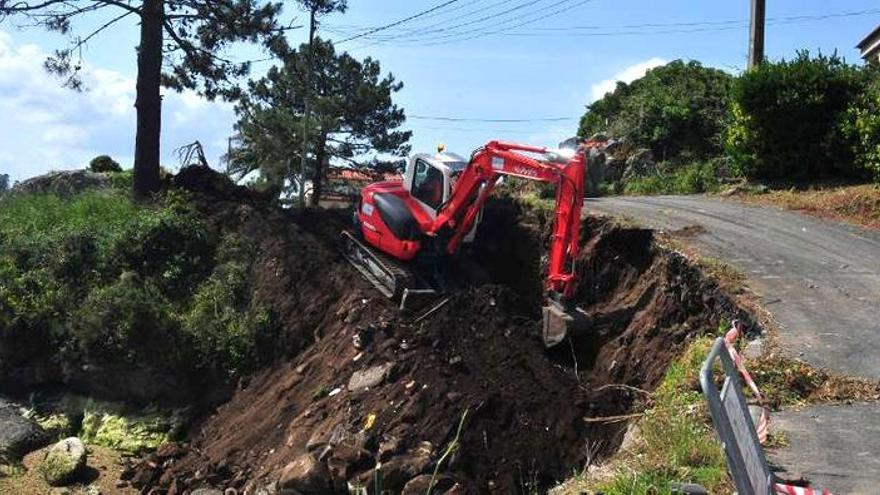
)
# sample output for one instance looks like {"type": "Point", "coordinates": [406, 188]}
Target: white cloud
{"type": "Point", "coordinates": [627, 75]}
{"type": "Point", "coordinates": [44, 126]}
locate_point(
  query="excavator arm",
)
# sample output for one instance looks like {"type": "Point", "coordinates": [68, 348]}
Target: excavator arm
{"type": "Point", "coordinates": [479, 178]}
{"type": "Point", "coordinates": [472, 189]}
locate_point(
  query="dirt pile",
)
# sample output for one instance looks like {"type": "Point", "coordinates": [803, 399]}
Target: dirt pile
{"type": "Point", "coordinates": [360, 397]}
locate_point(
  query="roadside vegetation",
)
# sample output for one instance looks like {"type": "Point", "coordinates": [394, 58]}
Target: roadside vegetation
{"type": "Point", "coordinates": [858, 204]}
{"type": "Point", "coordinates": [671, 443]}
{"type": "Point", "coordinates": [685, 129]}
{"type": "Point", "coordinates": [97, 279]}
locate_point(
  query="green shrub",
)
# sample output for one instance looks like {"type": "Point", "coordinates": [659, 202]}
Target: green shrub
{"type": "Point", "coordinates": [222, 322]}
{"type": "Point", "coordinates": [172, 247]}
{"type": "Point", "coordinates": [96, 278]}
{"type": "Point", "coordinates": [862, 127]}
{"type": "Point", "coordinates": [103, 163]}
{"type": "Point", "coordinates": [35, 223]}
{"type": "Point", "coordinates": [786, 118]}
{"type": "Point", "coordinates": [122, 180]}
{"type": "Point", "coordinates": [674, 109]}
{"type": "Point", "coordinates": [128, 321]}
{"type": "Point", "coordinates": [691, 179]}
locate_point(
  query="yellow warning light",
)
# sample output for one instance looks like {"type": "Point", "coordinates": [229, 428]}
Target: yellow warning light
{"type": "Point", "coordinates": [441, 148]}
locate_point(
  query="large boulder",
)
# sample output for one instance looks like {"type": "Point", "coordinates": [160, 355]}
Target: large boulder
{"type": "Point", "coordinates": [18, 435]}
{"type": "Point", "coordinates": [63, 462]}
{"type": "Point", "coordinates": [63, 183]}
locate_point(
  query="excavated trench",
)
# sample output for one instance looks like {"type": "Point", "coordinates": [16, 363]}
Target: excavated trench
{"type": "Point", "coordinates": [356, 386]}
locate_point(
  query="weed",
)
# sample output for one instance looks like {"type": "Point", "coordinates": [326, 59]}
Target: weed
{"type": "Point", "coordinates": [675, 441]}
{"type": "Point", "coordinates": [450, 449]}
{"type": "Point", "coordinates": [321, 391]}
{"type": "Point", "coordinates": [691, 179]}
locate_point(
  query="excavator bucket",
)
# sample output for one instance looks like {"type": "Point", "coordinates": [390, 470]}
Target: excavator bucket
{"type": "Point", "coordinates": [414, 300]}
{"type": "Point", "coordinates": [560, 323]}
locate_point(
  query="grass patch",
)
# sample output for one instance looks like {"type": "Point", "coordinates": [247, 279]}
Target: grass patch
{"type": "Point", "coordinates": [108, 424]}
{"type": "Point", "coordinates": [675, 442]}
{"type": "Point", "coordinates": [31, 221]}
{"type": "Point", "coordinates": [696, 178]}
{"type": "Point", "coordinates": [858, 204]}
{"type": "Point", "coordinates": [129, 434]}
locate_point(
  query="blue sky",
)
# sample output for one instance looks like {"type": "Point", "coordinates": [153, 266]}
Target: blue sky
{"type": "Point", "coordinates": [536, 61]}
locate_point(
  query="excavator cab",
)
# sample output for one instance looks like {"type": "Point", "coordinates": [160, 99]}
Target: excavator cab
{"type": "Point", "coordinates": [430, 179]}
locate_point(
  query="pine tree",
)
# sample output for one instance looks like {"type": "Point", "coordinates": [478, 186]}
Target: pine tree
{"type": "Point", "coordinates": [353, 118]}
{"type": "Point", "coordinates": [181, 47]}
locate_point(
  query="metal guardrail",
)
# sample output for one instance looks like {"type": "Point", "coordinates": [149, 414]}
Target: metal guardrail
{"type": "Point", "coordinates": [730, 415]}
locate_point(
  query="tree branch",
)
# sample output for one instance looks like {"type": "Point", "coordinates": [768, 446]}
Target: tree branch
{"type": "Point", "coordinates": [189, 47]}
{"type": "Point", "coordinates": [109, 23]}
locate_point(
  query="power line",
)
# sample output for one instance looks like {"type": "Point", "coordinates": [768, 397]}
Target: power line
{"type": "Point", "coordinates": [551, 31]}
{"type": "Point", "coordinates": [525, 23]}
{"type": "Point", "coordinates": [421, 30]}
{"type": "Point", "coordinates": [593, 31]}
{"type": "Point", "coordinates": [630, 29]}
{"type": "Point", "coordinates": [475, 129]}
{"type": "Point", "coordinates": [398, 22]}
{"type": "Point", "coordinates": [464, 119]}
{"type": "Point", "coordinates": [494, 16]}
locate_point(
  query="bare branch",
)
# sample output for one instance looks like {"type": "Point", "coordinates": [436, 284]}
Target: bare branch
{"type": "Point", "coordinates": [106, 25]}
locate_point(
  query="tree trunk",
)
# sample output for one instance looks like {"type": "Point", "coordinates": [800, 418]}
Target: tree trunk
{"type": "Point", "coordinates": [148, 101]}
{"type": "Point", "coordinates": [305, 147]}
{"type": "Point", "coordinates": [318, 180]}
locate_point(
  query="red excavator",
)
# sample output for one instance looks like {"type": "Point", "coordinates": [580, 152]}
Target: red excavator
{"type": "Point", "coordinates": [405, 231]}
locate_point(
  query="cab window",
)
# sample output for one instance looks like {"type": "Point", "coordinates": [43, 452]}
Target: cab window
{"type": "Point", "coordinates": [428, 184]}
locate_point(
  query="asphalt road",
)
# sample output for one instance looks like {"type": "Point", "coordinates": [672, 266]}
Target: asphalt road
{"type": "Point", "coordinates": [835, 446]}
{"type": "Point", "coordinates": [821, 281]}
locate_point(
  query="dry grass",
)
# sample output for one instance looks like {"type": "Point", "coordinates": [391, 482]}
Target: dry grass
{"type": "Point", "coordinates": [855, 204]}
{"type": "Point", "coordinates": [789, 382]}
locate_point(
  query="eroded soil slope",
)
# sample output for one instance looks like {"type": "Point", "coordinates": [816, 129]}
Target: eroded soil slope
{"type": "Point", "coordinates": [355, 384]}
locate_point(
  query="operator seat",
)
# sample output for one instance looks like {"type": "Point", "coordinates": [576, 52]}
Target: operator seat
{"type": "Point", "coordinates": [397, 216]}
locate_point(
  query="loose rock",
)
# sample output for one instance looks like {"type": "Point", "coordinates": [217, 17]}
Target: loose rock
{"type": "Point", "coordinates": [63, 462]}
{"type": "Point", "coordinates": [207, 491]}
{"type": "Point", "coordinates": [306, 475]}
{"type": "Point", "coordinates": [18, 435]}
{"type": "Point", "coordinates": [369, 377]}
{"type": "Point", "coordinates": [421, 484]}
{"type": "Point", "coordinates": [64, 183]}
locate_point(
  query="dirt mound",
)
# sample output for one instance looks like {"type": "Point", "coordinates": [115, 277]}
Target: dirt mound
{"type": "Point", "coordinates": [356, 387]}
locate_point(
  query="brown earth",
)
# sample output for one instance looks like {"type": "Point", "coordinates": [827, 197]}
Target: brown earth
{"type": "Point", "coordinates": [479, 357]}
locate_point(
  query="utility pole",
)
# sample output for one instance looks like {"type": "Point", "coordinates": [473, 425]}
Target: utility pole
{"type": "Point", "coordinates": [307, 95]}
{"type": "Point", "coordinates": [756, 34]}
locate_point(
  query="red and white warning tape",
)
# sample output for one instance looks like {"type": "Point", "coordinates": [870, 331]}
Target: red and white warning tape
{"type": "Point", "coordinates": [798, 490]}
{"type": "Point", "coordinates": [763, 426]}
